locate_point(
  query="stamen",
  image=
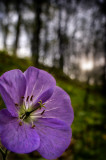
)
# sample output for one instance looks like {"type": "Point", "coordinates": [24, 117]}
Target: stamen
{"type": "Point", "coordinates": [20, 123]}
{"type": "Point", "coordinates": [31, 98]}
{"type": "Point", "coordinates": [27, 98]}
{"type": "Point", "coordinates": [22, 97]}
{"type": "Point", "coordinates": [16, 104]}
{"type": "Point", "coordinates": [33, 126]}
{"type": "Point", "coordinates": [42, 112]}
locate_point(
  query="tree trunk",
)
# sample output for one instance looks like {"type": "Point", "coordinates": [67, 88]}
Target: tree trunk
{"type": "Point", "coordinates": [61, 60]}
{"type": "Point", "coordinates": [6, 26]}
{"type": "Point", "coordinates": [46, 29]}
{"type": "Point", "coordinates": [35, 42]}
{"type": "Point", "coordinates": [104, 70]}
{"type": "Point", "coordinates": [18, 26]}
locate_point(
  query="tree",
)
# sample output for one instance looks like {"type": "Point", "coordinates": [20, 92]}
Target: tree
{"type": "Point", "coordinates": [102, 5]}
{"type": "Point", "coordinates": [46, 27]}
{"type": "Point", "coordinates": [18, 25]}
{"type": "Point", "coordinates": [5, 22]}
{"type": "Point", "coordinates": [35, 41]}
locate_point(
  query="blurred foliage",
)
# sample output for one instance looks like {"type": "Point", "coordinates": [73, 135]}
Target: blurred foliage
{"type": "Point", "coordinates": [88, 128]}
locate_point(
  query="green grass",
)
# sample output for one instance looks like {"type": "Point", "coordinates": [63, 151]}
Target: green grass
{"type": "Point", "coordinates": [88, 128]}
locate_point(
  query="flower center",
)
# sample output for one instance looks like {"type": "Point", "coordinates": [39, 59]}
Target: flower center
{"type": "Point", "coordinates": [30, 114]}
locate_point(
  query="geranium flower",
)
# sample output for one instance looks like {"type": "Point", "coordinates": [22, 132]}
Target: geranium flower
{"type": "Point", "coordinates": [38, 114]}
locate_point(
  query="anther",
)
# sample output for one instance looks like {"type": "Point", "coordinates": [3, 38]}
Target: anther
{"type": "Point", "coordinates": [42, 112]}
{"type": "Point", "coordinates": [22, 97]}
{"type": "Point", "coordinates": [31, 98]}
{"type": "Point", "coordinates": [16, 104]}
{"type": "Point", "coordinates": [20, 123]}
{"type": "Point", "coordinates": [27, 98]}
{"type": "Point", "coordinates": [33, 126]}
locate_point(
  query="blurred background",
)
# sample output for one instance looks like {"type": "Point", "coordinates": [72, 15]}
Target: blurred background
{"type": "Point", "coordinates": [67, 38]}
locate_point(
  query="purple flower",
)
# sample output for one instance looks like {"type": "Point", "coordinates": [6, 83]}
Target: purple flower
{"type": "Point", "coordinates": [38, 114]}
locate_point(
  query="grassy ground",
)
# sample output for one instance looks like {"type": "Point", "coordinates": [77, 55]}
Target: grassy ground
{"type": "Point", "coordinates": [88, 128]}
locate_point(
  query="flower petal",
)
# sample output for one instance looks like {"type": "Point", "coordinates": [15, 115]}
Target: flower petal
{"type": "Point", "coordinates": [12, 88]}
{"type": "Point", "coordinates": [45, 96]}
{"type": "Point", "coordinates": [31, 75]}
{"type": "Point", "coordinates": [55, 137]}
{"type": "Point", "coordinates": [16, 138]}
{"type": "Point", "coordinates": [59, 105]}
{"type": "Point", "coordinates": [38, 81]}
{"type": "Point", "coordinates": [5, 117]}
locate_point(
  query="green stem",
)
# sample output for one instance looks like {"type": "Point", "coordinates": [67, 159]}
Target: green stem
{"type": "Point", "coordinates": [3, 153]}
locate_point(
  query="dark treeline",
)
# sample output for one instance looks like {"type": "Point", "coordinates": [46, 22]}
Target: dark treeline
{"type": "Point", "coordinates": [59, 32]}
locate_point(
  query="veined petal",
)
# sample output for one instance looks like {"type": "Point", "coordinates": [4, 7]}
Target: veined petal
{"type": "Point", "coordinates": [59, 105]}
{"type": "Point", "coordinates": [38, 81]}
{"type": "Point", "coordinates": [31, 75]}
{"type": "Point", "coordinates": [12, 88]}
{"type": "Point", "coordinates": [55, 137]}
{"type": "Point", "coordinates": [16, 138]}
{"type": "Point", "coordinates": [45, 96]}
{"type": "Point", "coordinates": [5, 117]}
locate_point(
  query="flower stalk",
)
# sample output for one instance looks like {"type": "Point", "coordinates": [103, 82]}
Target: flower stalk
{"type": "Point", "coordinates": [4, 154]}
